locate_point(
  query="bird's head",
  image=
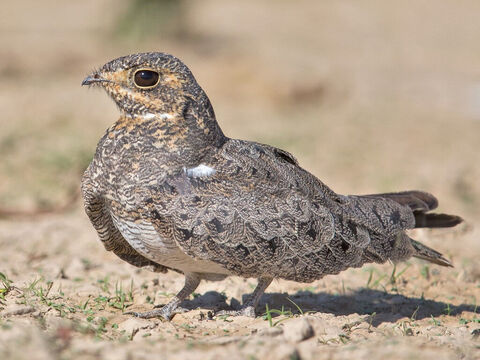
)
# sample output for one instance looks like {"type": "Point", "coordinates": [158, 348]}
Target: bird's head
{"type": "Point", "coordinates": [148, 83]}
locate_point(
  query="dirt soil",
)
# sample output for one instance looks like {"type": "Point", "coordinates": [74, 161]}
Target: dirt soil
{"type": "Point", "coordinates": [370, 96]}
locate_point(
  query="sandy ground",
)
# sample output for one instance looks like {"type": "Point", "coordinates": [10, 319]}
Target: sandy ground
{"type": "Point", "coordinates": [370, 97]}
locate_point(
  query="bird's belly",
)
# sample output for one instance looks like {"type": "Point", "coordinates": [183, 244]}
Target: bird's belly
{"type": "Point", "coordinates": [143, 237]}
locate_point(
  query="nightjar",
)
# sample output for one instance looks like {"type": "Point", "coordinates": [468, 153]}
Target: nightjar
{"type": "Point", "coordinates": [167, 189]}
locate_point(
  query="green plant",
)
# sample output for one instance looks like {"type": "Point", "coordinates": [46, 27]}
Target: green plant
{"type": "Point", "coordinates": [448, 310]}
{"type": "Point", "coordinates": [413, 318]}
{"type": "Point", "coordinates": [394, 277]}
{"type": "Point", "coordinates": [298, 307]}
{"type": "Point", "coordinates": [435, 321]}
{"type": "Point", "coordinates": [269, 312]}
{"type": "Point", "coordinates": [425, 272]}
{"type": "Point", "coordinates": [370, 320]}
{"type": "Point", "coordinates": [105, 284]}
{"type": "Point", "coordinates": [6, 286]}
{"type": "Point", "coordinates": [371, 284]}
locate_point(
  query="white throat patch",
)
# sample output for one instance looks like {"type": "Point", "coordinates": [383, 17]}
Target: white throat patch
{"type": "Point", "coordinates": [163, 116]}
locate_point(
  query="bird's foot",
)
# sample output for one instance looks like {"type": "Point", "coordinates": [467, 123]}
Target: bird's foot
{"type": "Point", "coordinates": [169, 310]}
{"type": "Point", "coordinates": [248, 311]}
{"type": "Point", "coordinates": [164, 312]}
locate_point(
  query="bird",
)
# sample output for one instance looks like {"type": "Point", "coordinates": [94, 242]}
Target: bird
{"type": "Point", "coordinates": [168, 190]}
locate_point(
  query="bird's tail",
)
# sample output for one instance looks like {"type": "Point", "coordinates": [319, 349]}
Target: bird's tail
{"type": "Point", "coordinates": [426, 253]}
{"type": "Point", "coordinates": [420, 203]}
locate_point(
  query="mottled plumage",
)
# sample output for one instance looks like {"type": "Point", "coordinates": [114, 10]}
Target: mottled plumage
{"type": "Point", "coordinates": [168, 190]}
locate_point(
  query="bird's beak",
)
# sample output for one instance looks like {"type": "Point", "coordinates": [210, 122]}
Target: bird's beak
{"type": "Point", "coordinates": [95, 78]}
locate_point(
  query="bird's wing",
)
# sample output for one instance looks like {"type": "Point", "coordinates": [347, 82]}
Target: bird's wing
{"type": "Point", "coordinates": [257, 212]}
{"type": "Point", "coordinates": [111, 238]}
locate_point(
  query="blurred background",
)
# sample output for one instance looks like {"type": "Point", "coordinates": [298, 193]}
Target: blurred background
{"type": "Point", "coordinates": [369, 95]}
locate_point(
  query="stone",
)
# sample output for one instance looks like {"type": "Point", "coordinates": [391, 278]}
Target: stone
{"type": "Point", "coordinates": [298, 330]}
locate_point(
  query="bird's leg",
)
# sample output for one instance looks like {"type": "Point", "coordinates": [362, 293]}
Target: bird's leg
{"type": "Point", "coordinates": [171, 308]}
{"type": "Point", "coordinates": [248, 308]}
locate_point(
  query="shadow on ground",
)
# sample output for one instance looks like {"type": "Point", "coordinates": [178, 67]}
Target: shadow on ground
{"type": "Point", "coordinates": [386, 306]}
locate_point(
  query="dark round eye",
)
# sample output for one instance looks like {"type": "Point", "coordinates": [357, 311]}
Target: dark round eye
{"type": "Point", "coordinates": [146, 78]}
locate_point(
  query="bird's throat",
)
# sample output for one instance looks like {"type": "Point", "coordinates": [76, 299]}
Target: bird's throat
{"type": "Point", "coordinates": [169, 134]}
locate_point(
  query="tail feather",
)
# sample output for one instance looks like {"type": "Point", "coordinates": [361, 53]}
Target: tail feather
{"type": "Point", "coordinates": [423, 220]}
{"type": "Point", "coordinates": [426, 253]}
{"type": "Point", "coordinates": [420, 203]}
{"type": "Point", "coordinates": [414, 199]}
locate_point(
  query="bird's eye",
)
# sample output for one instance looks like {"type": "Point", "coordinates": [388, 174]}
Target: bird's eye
{"type": "Point", "coordinates": [146, 78]}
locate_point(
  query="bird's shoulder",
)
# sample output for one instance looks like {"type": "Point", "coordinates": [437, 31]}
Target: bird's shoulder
{"type": "Point", "coordinates": [257, 151]}
{"type": "Point", "coordinates": [271, 169]}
